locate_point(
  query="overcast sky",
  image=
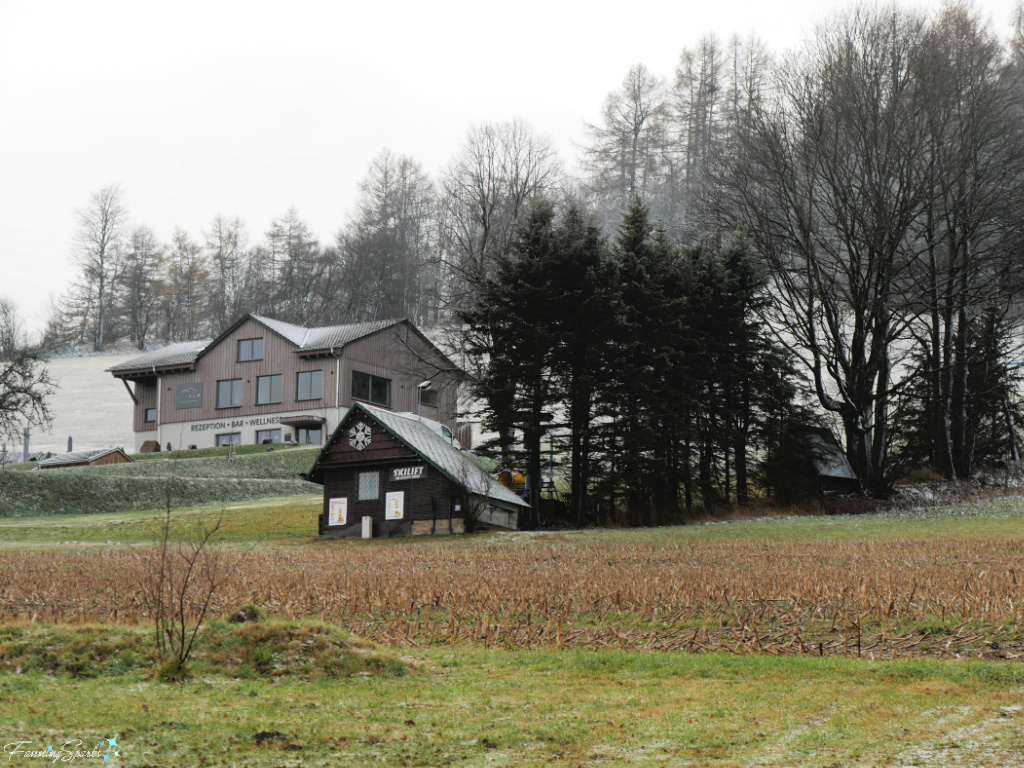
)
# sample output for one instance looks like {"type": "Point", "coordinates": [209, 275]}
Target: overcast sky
{"type": "Point", "coordinates": [245, 109]}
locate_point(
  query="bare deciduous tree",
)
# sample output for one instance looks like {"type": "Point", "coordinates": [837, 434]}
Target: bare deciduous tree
{"type": "Point", "coordinates": [100, 230]}
{"type": "Point", "coordinates": [140, 284]}
{"type": "Point", "coordinates": [225, 243]}
{"type": "Point", "coordinates": [484, 192]}
{"type": "Point", "coordinates": [826, 184]}
{"type": "Point", "coordinates": [388, 249]}
{"type": "Point", "coordinates": [625, 156]}
{"type": "Point", "coordinates": [24, 381]}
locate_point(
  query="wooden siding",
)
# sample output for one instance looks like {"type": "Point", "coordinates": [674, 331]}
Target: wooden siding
{"type": "Point", "coordinates": [429, 501]}
{"type": "Point", "coordinates": [114, 457]}
{"type": "Point", "coordinates": [145, 393]}
{"type": "Point", "coordinates": [221, 363]}
{"type": "Point", "coordinates": [431, 498]}
{"type": "Point", "coordinates": [399, 354]}
{"type": "Point", "coordinates": [383, 446]}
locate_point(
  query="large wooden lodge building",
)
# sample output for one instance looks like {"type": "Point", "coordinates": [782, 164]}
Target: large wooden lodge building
{"type": "Point", "coordinates": [265, 380]}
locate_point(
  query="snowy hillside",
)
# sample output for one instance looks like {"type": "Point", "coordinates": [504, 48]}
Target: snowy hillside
{"type": "Point", "coordinates": [89, 405]}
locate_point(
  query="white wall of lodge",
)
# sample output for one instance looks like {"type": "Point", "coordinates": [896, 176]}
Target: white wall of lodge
{"type": "Point", "coordinates": [203, 434]}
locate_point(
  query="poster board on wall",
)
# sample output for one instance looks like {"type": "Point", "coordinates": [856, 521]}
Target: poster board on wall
{"type": "Point", "coordinates": [337, 511]}
{"type": "Point", "coordinates": [394, 505]}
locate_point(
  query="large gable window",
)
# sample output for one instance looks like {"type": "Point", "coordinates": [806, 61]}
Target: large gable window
{"type": "Point", "coordinates": [372, 389]}
{"type": "Point", "coordinates": [268, 389]}
{"type": "Point", "coordinates": [229, 393]}
{"type": "Point", "coordinates": [250, 349]}
{"type": "Point", "coordinates": [310, 385]}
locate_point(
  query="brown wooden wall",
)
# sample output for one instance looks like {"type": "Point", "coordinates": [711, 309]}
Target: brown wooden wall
{"type": "Point", "coordinates": [394, 353]}
{"type": "Point", "coordinates": [383, 446]}
{"type": "Point", "coordinates": [400, 354]}
{"type": "Point", "coordinates": [111, 458]}
{"type": "Point", "coordinates": [429, 498]}
{"type": "Point", "coordinates": [221, 362]}
{"type": "Point", "coordinates": [145, 393]}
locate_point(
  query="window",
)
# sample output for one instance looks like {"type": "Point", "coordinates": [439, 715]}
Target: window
{"type": "Point", "coordinates": [310, 385]}
{"type": "Point", "coordinates": [231, 438]}
{"type": "Point", "coordinates": [268, 436]}
{"type": "Point", "coordinates": [308, 436]}
{"type": "Point", "coordinates": [369, 486]}
{"type": "Point", "coordinates": [268, 389]}
{"type": "Point", "coordinates": [428, 397]}
{"type": "Point", "coordinates": [372, 389]}
{"type": "Point", "coordinates": [229, 393]}
{"type": "Point", "coordinates": [151, 414]}
{"type": "Point", "coordinates": [250, 349]}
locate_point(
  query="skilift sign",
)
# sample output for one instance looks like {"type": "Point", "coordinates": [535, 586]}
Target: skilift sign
{"type": "Point", "coordinates": [409, 473]}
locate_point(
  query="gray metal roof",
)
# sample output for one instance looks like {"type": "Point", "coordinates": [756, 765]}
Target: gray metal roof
{"type": "Point", "coordinates": [181, 353]}
{"type": "Point", "coordinates": [304, 339]}
{"type": "Point", "coordinates": [339, 335]}
{"type": "Point", "coordinates": [826, 455]}
{"type": "Point", "coordinates": [75, 457]}
{"type": "Point", "coordinates": [294, 333]}
{"type": "Point", "coordinates": [440, 453]}
{"type": "Point", "coordinates": [325, 337]}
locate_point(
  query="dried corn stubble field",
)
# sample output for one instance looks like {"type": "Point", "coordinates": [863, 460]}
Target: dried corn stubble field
{"type": "Point", "coordinates": [873, 598]}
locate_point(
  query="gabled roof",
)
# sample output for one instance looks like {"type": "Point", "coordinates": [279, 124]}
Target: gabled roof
{"type": "Point", "coordinates": [183, 353]}
{"type": "Point", "coordinates": [827, 456]}
{"type": "Point", "coordinates": [293, 333]}
{"type": "Point", "coordinates": [324, 337]}
{"type": "Point", "coordinates": [340, 335]}
{"type": "Point", "coordinates": [431, 447]}
{"type": "Point", "coordinates": [79, 457]}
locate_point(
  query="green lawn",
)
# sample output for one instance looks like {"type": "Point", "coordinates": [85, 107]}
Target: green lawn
{"type": "Point", "coordinates": [292, 520]}
{"type": "Point", "coordinates": [289, 520]}
{"type": "Point", "coordinates": [473, 707]}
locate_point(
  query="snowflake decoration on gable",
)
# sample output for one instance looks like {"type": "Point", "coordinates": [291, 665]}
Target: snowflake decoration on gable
{"type": "Point", "coordinates": [359, 436]}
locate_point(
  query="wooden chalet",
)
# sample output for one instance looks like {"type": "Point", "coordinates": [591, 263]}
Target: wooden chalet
{"type": "Point", "coordinates": [407, 479]}
{"type": "Point", "coordinates": [267, 381]}
{"type": "Point", "coordinates": [97, 458]}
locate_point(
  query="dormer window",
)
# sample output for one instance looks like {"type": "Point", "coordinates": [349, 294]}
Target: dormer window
{"type": "Point", "coordinates": [250, 349]}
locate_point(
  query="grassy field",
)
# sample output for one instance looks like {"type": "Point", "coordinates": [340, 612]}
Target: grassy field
{"type": "Point", "coordinates": [195, 477]}
{"type": "Point", "coordinates": [478, 707]}
{"type": "Point", "coordinates": [279, 520]}
{"type": "Point", "coordinates": [877, 640]}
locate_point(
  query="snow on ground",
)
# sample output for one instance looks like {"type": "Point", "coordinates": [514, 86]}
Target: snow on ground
{"type": "Point", "coordinates": [89, 405]}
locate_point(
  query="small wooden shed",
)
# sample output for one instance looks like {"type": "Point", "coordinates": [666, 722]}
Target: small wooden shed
{"type": "Point", "coordinates": [96, 458]}
{"type": "Point", "coordinates": [407, 479]}
{"type": "Point", "coordinates": [828, 461]}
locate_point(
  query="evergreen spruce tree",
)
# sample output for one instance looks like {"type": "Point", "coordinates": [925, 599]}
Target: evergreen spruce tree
{"type": "Point", "coordinates": [586, 312]}
{"type": "Point", "coordinates": [511, 326]}
{"type": "Point", "coordinates": [645, 395]}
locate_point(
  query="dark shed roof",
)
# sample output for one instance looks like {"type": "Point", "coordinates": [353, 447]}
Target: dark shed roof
{"type": "Point", "coordinates": [827, 456]}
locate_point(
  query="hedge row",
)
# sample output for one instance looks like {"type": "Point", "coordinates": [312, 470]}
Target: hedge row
{"type": "Point", "coordinates": [268, 466]}
{"type": "Point", "coordinates": [68, 492]}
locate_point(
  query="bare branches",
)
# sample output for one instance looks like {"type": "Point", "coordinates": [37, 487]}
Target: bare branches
{"type": "Point", "coordinates": [24, 381]}
{"type": "Point", "coordinates": [484, 194]}
{"type": "Point", "coordinates": [100, 230]}
{"type": "Point", "coordinates": [181, 579]}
